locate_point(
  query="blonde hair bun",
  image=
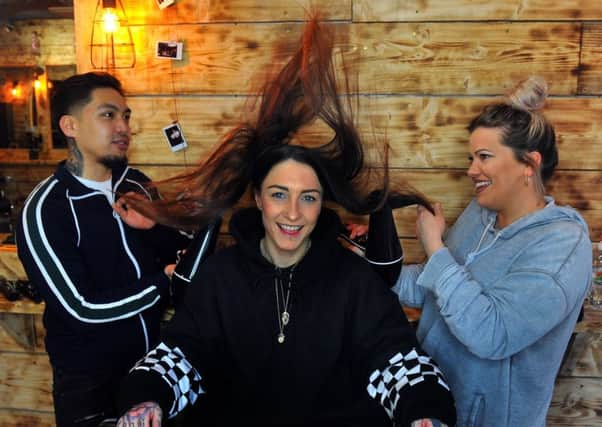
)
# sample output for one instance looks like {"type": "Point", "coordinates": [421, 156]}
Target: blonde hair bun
{"type": "Point", "coordinates": [529, 94]}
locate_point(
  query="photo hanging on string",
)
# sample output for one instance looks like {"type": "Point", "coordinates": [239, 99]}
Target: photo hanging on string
{"type": "Point", "coordinates": [175, 137]}
{"type": "Point", "coordinates": [164, 3]}
{"type": "Point", "coordinates": [169, 50]}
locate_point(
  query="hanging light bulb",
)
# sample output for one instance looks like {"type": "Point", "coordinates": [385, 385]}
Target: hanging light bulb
{"type": "Point", "coordinates": [110, 20]}
{"type": "Point", "coordinates": [111, 41]}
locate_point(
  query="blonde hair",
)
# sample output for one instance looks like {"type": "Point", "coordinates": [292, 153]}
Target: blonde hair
{"type": "Point", "coordinates": [530, 95]}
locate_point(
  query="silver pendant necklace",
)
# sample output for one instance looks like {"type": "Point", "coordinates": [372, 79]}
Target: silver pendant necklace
{"type": "Point", "coordinates": [284, 317]}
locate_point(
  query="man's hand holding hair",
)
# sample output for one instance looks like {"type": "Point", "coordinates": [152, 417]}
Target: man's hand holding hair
{"type": "Point", "coordinates": [130, 216]}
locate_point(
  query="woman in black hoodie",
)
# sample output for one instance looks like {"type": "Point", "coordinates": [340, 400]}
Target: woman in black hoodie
{"type": "Point", "coordinates": [286, 327]}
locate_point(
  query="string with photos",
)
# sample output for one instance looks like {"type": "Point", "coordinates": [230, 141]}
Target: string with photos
{"type": "Point", "coordinates": [175, 96]}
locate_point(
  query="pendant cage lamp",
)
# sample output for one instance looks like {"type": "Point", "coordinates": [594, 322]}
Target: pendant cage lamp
{"type": "Point", "coordinates": [111, 42]}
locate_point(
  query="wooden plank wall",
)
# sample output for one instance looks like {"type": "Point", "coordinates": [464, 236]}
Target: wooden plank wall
{"type": "Point", "coordinates": [426, 67]}
{"type": "Point", "coordinates": [25, 373]}
{"type": "Point", "coordinates": [55, 38]}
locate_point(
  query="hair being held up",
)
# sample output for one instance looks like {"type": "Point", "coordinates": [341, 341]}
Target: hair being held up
{"type": "Point", "coordinates": [303, 91]}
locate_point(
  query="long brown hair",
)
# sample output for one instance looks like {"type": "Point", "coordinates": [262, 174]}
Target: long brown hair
{"type": "Point", "coordinates": [304, 90]}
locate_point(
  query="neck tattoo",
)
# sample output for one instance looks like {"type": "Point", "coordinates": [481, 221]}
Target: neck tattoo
{"type": "Point", "coordinates": [75, 161]}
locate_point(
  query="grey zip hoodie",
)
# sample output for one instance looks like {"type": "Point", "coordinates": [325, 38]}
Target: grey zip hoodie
{"type": "Point", "coordinates": [499, 307]}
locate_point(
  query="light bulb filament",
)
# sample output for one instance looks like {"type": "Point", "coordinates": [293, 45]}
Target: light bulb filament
{"type": "Point", "coordinates": [110, 20]}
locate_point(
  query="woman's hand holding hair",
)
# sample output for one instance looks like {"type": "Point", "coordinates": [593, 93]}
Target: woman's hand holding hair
{"type": "Point", "coordinates": [146, 414]}
{"type": "Point", "coordinates": [356, 230]}
{"type": "Point", "coordinates": [430, 228]}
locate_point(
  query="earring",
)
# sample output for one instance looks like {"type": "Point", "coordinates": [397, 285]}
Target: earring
{"type": "Point", "coordinates": [527, 180]}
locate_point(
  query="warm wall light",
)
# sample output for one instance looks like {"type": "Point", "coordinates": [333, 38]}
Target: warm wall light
{"type": "Point", "coordinates": [110, 20]}
{"type": "Point", "coordinates": [111, 42]}
{"type": "Point", "coordinates": [15, 91]}
{"type": "Point", "coordinates": [37, 72]}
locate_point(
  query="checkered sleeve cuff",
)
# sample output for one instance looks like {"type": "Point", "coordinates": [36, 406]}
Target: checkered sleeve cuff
{"type": "Point", "coordinates": [404, 370]}
{"type": "Point", "coordinates": [177, 372]}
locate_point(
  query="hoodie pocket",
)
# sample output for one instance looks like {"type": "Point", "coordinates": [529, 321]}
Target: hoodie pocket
{"type": "Point", "coordinates": [475, 418]}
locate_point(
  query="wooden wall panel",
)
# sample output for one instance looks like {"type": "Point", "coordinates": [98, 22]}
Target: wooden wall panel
{"type": "Point", "coordinates": [25, 381]}
{"type": "Point", "coordinates": [218, 58]}
{"type": "Point", "coordinates": [590, 77]}
{"type": "Point", "coordinates": [475, 10]}
{"type": "Point", "coordinates": [203, 120]}
{"type": "Point", "coordinates": [146, 12]}
{"type": "Point", "coordinates": [425, 132]}
{"type": "Point", "coordinates": [429, 58]}
{"type": "Point", "coordinates": [440, 58]}
{"type": "Point", "coordinates": [56, 43]}
{"type": "Point", "coordinates": [33, 418]}
{"type": "Point", "coordinates": [430, 132]}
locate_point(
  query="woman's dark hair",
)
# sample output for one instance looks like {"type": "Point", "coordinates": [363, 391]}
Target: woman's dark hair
{"type": "Point", "coordinates": [524, 127]}
{"type": "Point", "coordinates": [304, 90]}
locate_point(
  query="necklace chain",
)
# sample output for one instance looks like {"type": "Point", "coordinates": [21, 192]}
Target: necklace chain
{"type": "Point", "coordinates": [284, 316]}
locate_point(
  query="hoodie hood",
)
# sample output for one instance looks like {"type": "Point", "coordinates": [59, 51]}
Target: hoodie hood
{"type": "Point", "coordinates": [551, 213]}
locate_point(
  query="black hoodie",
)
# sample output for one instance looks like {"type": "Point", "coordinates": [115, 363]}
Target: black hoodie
{"type": "Point", "coordinates": [345, 328]}
{"type": "Point", "coordinates": [102, 281]}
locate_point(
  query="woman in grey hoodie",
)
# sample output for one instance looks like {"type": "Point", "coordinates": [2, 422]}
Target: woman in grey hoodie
{"type": "Point", "coordinates": [501, 290]}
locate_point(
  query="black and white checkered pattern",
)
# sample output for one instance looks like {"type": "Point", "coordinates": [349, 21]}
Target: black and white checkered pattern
{"type": "Point", "coordinates": [404, 370]}
{"type": "Point", "coordinates": [179, 374]}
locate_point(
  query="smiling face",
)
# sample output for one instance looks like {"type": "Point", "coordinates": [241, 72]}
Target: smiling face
{"type": "Point", "coordinates": [101, 130]}
{"type": "Point", "coordinates": [500, 181]}
{"type": "Point", "coordinates": [290, 200]}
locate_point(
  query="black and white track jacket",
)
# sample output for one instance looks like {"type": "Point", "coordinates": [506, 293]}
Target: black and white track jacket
{"type": "Point", "coordinates": [349, 356]}
{"type": "Point", "coordinates": [102, 281]}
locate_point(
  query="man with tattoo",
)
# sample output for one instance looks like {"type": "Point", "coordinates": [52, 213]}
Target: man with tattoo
{"type": "Point", "coordinates": [103, 270]}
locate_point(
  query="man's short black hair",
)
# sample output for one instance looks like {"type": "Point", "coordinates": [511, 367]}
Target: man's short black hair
{"type": "Point", "coordinates": [76, 91]}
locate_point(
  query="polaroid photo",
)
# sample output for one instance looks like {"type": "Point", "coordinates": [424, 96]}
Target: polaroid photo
{"type": "Point", "coordinates": [164, 3]}
{"type": "Point", "coordinates": [175, 137]}
{"type": "Point", "coordinates": [169, 50]}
